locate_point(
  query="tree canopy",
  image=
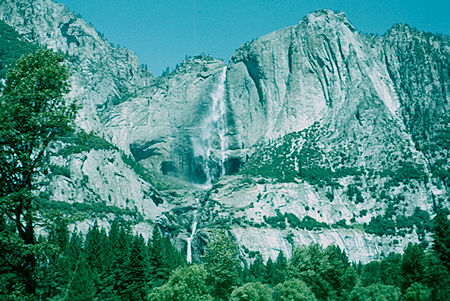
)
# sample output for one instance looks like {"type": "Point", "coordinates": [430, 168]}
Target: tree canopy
{"type": "Point", "coordinates": [33, 112]}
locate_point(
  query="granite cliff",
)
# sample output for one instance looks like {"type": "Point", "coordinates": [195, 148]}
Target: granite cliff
{"type": "Point", "coordinates": [313, 133]}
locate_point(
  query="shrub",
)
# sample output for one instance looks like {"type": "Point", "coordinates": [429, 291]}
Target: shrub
{"type": "Point", "coordinates": [294, 289]}
{"type": "Point", "coordinates": [252, 291]}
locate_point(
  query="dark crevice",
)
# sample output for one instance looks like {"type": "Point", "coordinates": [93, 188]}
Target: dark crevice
{"type": "Point", "coordinates": [255, 74]}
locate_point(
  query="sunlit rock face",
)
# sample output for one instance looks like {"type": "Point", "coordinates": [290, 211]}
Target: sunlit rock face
{"type": "Point", "coordinates": [170, 127]}
{"type": "Point", "coordinates": [101, 74]}
{"type": "Point", "coordinates": [323, 70]}
{"type": "Point", "coordinates": [316, 120]}
{"type": "Point", "coordinates": [319, 98]}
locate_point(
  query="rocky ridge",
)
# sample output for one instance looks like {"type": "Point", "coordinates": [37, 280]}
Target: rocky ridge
{"type": "Point", "coordinates": [319, 121]}
{"type": "Point", "coordinates": [102, 74]}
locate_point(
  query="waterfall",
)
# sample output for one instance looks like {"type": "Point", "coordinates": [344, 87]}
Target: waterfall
{"type": "Point", "coordinates": [212, 132]}
{"type": "Point", "coordinates": [189, 241]}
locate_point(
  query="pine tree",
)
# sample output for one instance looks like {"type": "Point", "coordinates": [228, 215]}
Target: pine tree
{"type": "Point", "coordinates": [74, 248]}
{"type": "Point", "coordinates": [157, 272]}
{"type": "Point", "coordinates": [221, 263]}
{"type": "Point", "coordinates": [55, 269]}
{"type": "Point", "coordinates": [258, 269]}
{"type": "Point", "coordinates": [120, 242]}
{"type": "Point", "coordinates": [280, 273]}
{"type": "Point", "coordinates": [412, 265]}
{"type": "Point", "coordinates": [82, 287]}
{"type": "Point", "coordinates": [270, 272]}
{"type": "Point", "coordinates": [95, 248]}
{"type": "Point", "coordinates": [136, 271]}
{"type": "Point", "coordinates": [441, 236]}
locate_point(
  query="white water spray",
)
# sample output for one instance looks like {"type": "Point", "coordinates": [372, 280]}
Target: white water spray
{"type": "Point", "coordinates": [213, 127]}
{"type": "Point", "coordinates": [189, 241]}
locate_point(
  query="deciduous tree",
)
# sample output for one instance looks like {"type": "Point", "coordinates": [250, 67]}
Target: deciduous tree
{"type": "Point", "coordinates": [33, 112]}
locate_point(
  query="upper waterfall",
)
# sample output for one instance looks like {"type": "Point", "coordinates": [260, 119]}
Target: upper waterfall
{"type": "Point", "coordinates": [210, 143]}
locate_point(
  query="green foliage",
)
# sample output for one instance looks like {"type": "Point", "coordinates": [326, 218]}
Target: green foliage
{"type": "Point", "coordinates": [252, 291]}
{"type": "Point", "coordinates": [256, 272]}
{"type": "Point", "coordinates": [96, 209]}
{"type": "Point", "coordinates": [136, 271]}
{"type": "Point", "coordinates": [412, 265]}
{"type": "Point", "coordinates": [380, 225]}
{"type": "Point", "coordinates": [311, 223]}
{"type": "Point", "coordinates": [56, 170]}
{"type": "Point", "coordinates": [404, 172]}
{"type": "Point", "coordinates": [327, 272]}
{"type": "Point", "coordinates": [298, 156]}
{"type": "Point", "coordinates": [276, 271]}
{"type": "Point", "coordinates": [221, 263]}
{"type": "Point", "coordinates": [12, 47]}
{"type": "Point", "coordinates": [144, 174]}
{"type": "Point", "coordinates": [417, 292]}
{"type": "Point", "coordinates": [184, 284]}
{"type": "Point", "coordinates": [441, 236]}
{"type": "Point", "coordinates": [33, 113]}
{"type": "Point", "coordinates": [352, 191]}
{"type": "Point", "coordinates": [118, 266]}
{"type": "Point", "coordinates": [163, 258]}
{"type": "Point", "coordinates": [82, 287]}
{"type": "Point", "coordinates": [279, 221]}
{"type": "Point", "coordinates": [293, 290]}
{"type": "Point", "coordinates": [386, 271]}
{"type": "Point", "coordinates": [278, 160]}
{"type": "Point", "coordinates": [83, 142]}
{"type": "Point", "coordinates": [375, 292]}
{"type": "Point", "coordinates": [386, 225]}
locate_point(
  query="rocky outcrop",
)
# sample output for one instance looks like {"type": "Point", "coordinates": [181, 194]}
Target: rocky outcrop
{"type": "Point", "coordinates": [101, 74]}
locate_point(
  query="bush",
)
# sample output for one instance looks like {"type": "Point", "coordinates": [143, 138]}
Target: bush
{"type": "Point", "coordinates": [83, 142]}
{"type": "Point", "coordinates": [311, 223]}
{"type": "Point", "coordinates": [184, 284]}
{"type": "Point", "coordinates": [56, 170]}
{"type": "Point", "coordinates": [94, 209]}
{"type": "Point", "coordinates": [380, 226]}
{"type": "Point", "coordinates": [275, 221]}
{"type": "Point", "coordinates": [384, 224]}
{"type": "Point", "coordinates": [417, 292]}
{"type": "Point", "coordinates": [293, 220]}
{"type": "Point", "coordinates": [294, 289]}
{"type": "Point", "coordinates": [253, 291]}
{"type": "Point", "coordinates": [375, 292]}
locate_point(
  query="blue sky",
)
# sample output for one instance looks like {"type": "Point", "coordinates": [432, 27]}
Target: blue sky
{"type": "Point", "coordinates": [163, 32]}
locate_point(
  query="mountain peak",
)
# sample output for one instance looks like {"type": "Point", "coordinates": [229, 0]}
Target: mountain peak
{"type": "Point", "coordinates": [324, 17]}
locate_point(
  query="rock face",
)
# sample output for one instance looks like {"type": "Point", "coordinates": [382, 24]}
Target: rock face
{"type": "Point", "coordinates": [315, 133]}
{"type": "Point", "coordinates": [164, 127]}
{"type": "Point", "coordinates": [102, 74]}
{"type": "Point", "coordinates": [323, 70]}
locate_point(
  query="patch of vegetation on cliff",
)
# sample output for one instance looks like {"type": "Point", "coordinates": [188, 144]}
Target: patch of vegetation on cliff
{"type": "Point", "coordinates": [294, 156]}
{"type": "Point", "coordinates": [80, 211]}
{"type": "Point", "coordinates": [391, 223]}
{"type": "Point", "coordinates": [280, 221]}
{"type": "Point", "coordinates": [12, 47]}
{"type": "Point", "coordinates": [419, 73]}
{"type": "Point", "coordinates": [404, 172]}
{"type": "Point", "coordinates": [83, 142]}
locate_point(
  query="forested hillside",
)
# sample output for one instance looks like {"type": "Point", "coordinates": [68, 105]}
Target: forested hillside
{"type": "Point", "coordinates": [12, 46]}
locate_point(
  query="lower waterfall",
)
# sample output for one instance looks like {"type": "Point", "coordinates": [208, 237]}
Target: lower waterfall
{"type": "Point", "coordinates": [189, 242]}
